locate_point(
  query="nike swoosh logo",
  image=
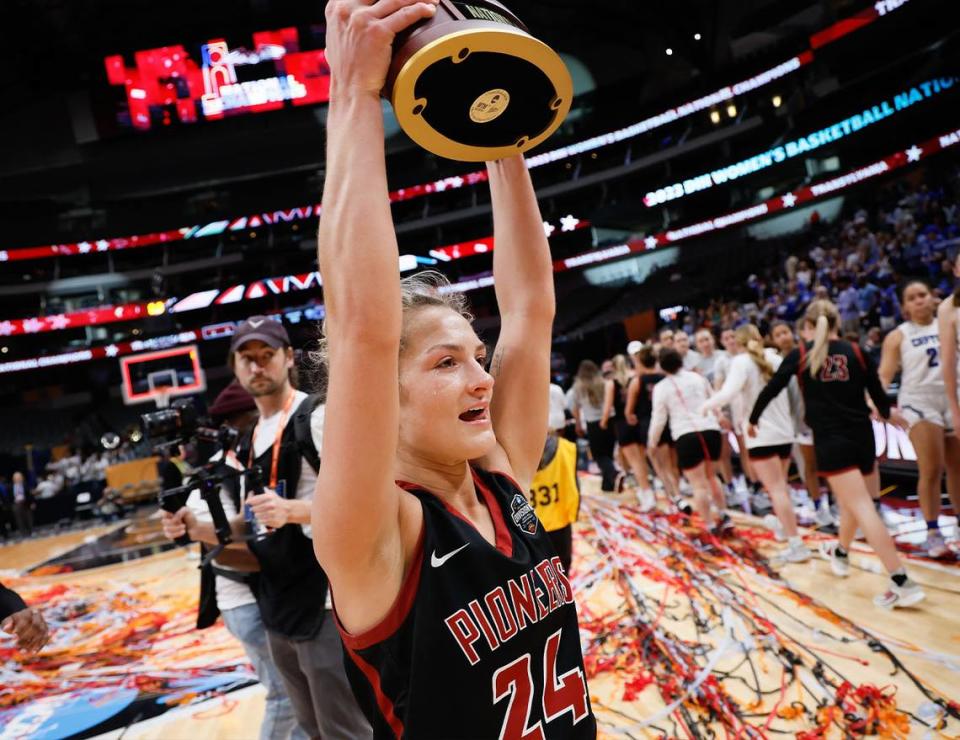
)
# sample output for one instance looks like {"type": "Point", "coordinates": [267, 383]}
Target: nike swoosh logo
{"type": "Point", "coordinates": [437, 562]}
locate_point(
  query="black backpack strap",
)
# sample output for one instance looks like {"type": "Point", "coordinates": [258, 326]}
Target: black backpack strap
{"type": "Point", "coordinates": [302, 432]}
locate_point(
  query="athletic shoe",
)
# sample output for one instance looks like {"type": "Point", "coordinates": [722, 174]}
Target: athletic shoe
{"type": "Point", "coordinates": [796, 553]}
{"type": "Point", "coordinates": [770, 521]}
{"type": "Point", "coordinates": [647, 499]}
{"type": "Point", "coordinates": [935, 546]}
{"type": "Point", "coordinates": [908, 594]}
{"type": "Point", "coordinates": [823, 517]}
{"type": "Point", "coordinates": [760, 502]}
{"type": "Point", "coordinates": [839, 566]}
{"type": "Point", "coordinates": [724, 527]}
{"type": "Point", "coordinates": [737, 500]}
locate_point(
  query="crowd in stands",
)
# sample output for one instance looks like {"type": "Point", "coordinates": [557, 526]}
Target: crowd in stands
{"type": "Point", "coordinates": [911, 231]}
{"type": "Point", "coordinates": [859, 264]}
{"type": "Point", "coordinates": [67, 476]}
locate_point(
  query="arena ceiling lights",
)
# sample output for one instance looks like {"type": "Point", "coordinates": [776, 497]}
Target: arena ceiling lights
{"type": "Point", "coordinates": [897, 160]}
{"type": "Point", "coordinates": [823, 38]}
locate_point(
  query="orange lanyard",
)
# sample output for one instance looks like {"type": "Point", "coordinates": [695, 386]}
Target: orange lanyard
{"type": "Point", "coordinates": [276, 442]}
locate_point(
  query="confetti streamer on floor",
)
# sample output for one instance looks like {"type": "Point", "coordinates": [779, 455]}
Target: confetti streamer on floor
{"type": "Point", "coordinates": [688, 635]}
{"type": "Point", "coordinates": [119, 649]}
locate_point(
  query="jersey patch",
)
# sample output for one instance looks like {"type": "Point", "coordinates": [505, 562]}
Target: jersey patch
{"type": "Point", "coordinates": [523, 515]}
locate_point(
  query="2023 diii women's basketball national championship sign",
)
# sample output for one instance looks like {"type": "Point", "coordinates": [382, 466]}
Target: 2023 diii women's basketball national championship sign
{"type": "Point", "coordinates": [472, 84]}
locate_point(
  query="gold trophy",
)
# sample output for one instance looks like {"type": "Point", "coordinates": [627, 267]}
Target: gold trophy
{"type": "Point", "coordinates": [472, 84]}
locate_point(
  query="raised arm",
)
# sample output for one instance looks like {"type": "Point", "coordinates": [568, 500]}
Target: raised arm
{"type": "Point", "coordinates": [890, 357]}
{"type": "Point", "coordinates": [356, 531]}
{"type": "Point", "coordinates": [788, 368]}
{"type": "Point", "coordinates": [947, 325]}
{"type": "Point", "coordinates": [523, 276]}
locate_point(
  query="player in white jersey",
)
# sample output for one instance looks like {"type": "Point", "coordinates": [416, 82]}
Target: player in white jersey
{"type": "Point", "coordinates": [720, 369]}
{"type": "Point", "coordinates": [948, 321]}
{"type": "Point", "coordinates": [678, 397]}
{"type": "Point", "coordinates": [769, 444]}
{"type": "Point", "coordinates": [913, 348]}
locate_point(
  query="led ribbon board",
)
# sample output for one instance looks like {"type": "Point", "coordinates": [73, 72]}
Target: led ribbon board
{"type": "Point", "coordinates": [769, 207]}
{"type": "Point", "coordinates": [170, 84]}
{"type": "Point", "coordinates": [279, 285]}
{"type": "Point", "coordinates": [772, 206]}
{"type": "Point", "coordinates": [808, 143]}
{"type": "Point", "coordinates": [829, 35]}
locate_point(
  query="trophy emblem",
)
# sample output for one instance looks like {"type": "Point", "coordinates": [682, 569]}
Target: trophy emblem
{"type": "Point", "coordinates": [472, 84]}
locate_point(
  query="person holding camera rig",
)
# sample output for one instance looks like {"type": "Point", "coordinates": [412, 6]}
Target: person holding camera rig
{"type": "Point", "coordinates": [228, 583]}
{"type": "Point", "coordinates": [291, 588]}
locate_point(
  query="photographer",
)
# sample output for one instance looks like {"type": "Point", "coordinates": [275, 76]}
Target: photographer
{"type": "Point", "coordinates": [291, 587]}
{"type": "Point", "coordinates": [226, 584]}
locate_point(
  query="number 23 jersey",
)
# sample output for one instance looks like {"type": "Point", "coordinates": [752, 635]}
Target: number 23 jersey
{"type": "Point", "coordinates": [482, 641]}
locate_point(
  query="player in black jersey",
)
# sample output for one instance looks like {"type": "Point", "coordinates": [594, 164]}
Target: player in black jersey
{"type": "Point", "coordinates": [614, 407]}
{"type": "Point", "coordinates": [834, 376]}
{"type": "Point", "coordinates": [639, 410]}
{"type": "Point", "coordinates": [457, 618]}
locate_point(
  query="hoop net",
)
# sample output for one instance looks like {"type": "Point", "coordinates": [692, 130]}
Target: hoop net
{"type": "Point", "coordinates": [162, 397]}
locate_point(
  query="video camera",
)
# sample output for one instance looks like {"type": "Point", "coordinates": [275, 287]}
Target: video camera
{"type": "Point", "coordinates": [181, 424]}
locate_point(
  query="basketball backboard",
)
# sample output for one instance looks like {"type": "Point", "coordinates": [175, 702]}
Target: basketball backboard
{"type": "Point", "coordinates": [161, 375]}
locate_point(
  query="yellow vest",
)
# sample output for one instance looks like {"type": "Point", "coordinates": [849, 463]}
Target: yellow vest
{"type": "Point", "coordinates": [554, 493]}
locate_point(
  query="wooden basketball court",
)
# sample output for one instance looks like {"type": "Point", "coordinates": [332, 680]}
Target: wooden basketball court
{"type": "Point", "coordinates": [685, 636]}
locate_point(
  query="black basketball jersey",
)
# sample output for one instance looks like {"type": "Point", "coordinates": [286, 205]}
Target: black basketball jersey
{"type": "Point", "coordinates": [645, 395]}
{"type": "Point", "coordinates": [834, 398]}
{"type": "Point", "coordinates": [482, 641]}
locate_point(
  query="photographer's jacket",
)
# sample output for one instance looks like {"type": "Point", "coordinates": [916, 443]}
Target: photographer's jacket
{"type": "Point", "coordinates": [292, 588]}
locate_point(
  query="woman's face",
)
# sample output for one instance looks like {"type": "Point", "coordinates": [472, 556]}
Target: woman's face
{"type": "Point", "coordinates": [705, 343]}
{"type": "Point", "coordinates": [445, 390]}
{"type": "Point", "coordinates": [918, 303]}
{"type": "Point", "coordinates": [783, 338]}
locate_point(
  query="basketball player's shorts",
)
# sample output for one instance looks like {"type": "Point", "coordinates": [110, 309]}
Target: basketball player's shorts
{"type": "Point", "coordinates": [934, 408]}
{"type": "Point", "coordinates": [697, 447]}
{"type": "Point", "coordinates": [627, 433]}
{"type": "Point", "coordinates": [667, 437]}
{"type": "Point", "coordinates": [770, 451]}
{"type": "Point", "coordinates": [643, 431]}
{"type": "Point", "coordinates": [854, 448]}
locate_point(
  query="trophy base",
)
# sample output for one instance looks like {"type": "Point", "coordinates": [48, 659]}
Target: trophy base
{"type": "Point", "coordinates": [482, 92]}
